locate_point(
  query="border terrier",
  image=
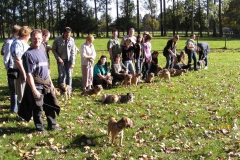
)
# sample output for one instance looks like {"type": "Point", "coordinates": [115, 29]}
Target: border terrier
{"type": "Point", "coordinates": [117, 127]}
{"type": "Point", "coordinates": [95, 90]}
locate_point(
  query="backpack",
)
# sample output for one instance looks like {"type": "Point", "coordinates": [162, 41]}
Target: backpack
{"type": "Point", "coordinates": [3, 48]}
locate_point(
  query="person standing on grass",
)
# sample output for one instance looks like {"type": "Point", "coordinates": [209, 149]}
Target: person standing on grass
{"type": "Point", "coordinates": [128, 55]}
{"type": "Point", "coordinates": [18, 48]}
{"type": "Point", "coordinates": [38, 95]}
{"type": "Point", "coordinates": [190, 50]}
{"type": "Point", "coordinates": [113, 45]}
{"type": "Point", "coordinates": [45, 46]}
{"type": "Point", "coordinates": [147, 49]}
{"type": "Point", "coordinates": [138, 54]}
{"type": "Point", "coordinates": [88, 55]}
{"type": "Point", "coordinates": [129, 36]}
{"type": "Point", "coordinates": [170, 51]}
{"type": "Point", "coordinates": [8, 63]}
{"type": "Point", "coordinates": [63, 49]}
{"type": "Point", "coordinates": [203, 50]}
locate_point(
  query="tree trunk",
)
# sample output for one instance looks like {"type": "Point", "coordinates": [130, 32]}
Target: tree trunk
{"type": "Point", "coordinates": [208, 17]}
{"type": "Point", "coordinates": [164, 25]}
{"type": "Point", "coordinates": [161, 18]}
{"type": "Point", "coordinates": [174, 22]}
{"type": "Point", "coordinates": [106, 18]}
{"type": "Point", "coordinates": [220, 18]}
{"type": "Point", "coordinates": [138, 17]}
{"type": "Point", "coordinates": [214, 23]}
{"type": "Point", "coordinates": [200, 18]}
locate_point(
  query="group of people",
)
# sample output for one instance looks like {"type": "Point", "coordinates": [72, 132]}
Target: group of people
{"type": "Point", "coordinates": [31, 92]}
{"type": "Point", "coordinates": [173, 59]}
{"type": "Point", "coordinates": [135, 50]}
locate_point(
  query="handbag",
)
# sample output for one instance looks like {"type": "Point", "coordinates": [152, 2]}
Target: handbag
{"type": "Point", "coordinates": [13, 73]}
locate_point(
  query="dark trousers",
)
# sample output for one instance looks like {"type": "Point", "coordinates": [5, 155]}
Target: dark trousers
{"type": "Point", "coordinates": [169, 60]}
{"type": "Point", "coordinates": [37, 116]}
{"type": "Point", "coordinates": [13, 96]}
{"type": "Point", "coordinates": [192, 55]}
{"type": "Point", "coordinates": [146, 69]}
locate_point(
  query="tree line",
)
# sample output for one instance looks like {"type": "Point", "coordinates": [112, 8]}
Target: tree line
{"type": "Point", "coordinates": [214, 17]}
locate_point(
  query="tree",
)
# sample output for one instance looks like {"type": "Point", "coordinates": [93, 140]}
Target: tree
{"type": "Point", "coordinates": [127, 7]}
{"type": "Point", "coordinates": [151, 5]}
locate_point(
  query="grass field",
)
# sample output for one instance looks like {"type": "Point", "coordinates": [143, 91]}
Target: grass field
{"type": "Point", "coordinates": [194, 116]}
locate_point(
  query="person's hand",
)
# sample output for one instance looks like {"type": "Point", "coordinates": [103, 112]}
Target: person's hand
{"type": "Point", "coordinates": [72, 66]}
{"type": "Point", "coordinates": [24, 77]}
{"type": "Point", "coordinates": [60, 60]}
{"type": "Point", "coordinates": [36, 94]}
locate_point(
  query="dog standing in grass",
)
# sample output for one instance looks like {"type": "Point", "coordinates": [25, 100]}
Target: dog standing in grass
{"type": "Point", "coordinates": [117, 128]}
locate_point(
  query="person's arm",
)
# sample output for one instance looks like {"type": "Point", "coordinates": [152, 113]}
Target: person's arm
{"type": "Point", "coordinates": [7, 54]}
{"type": "Point", "coordinates": [18, 61]}
{"type": "Point", "coordinates": [55, 51]}
{"type": "Point", "coordinates": [72, 53]}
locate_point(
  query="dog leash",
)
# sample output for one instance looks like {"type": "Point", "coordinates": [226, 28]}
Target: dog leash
{"type": "Point", "coordinates": [50, 106]}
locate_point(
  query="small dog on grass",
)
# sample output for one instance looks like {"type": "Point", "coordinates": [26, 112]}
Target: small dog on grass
{"type": "Point", "coordinates": [127, 98]}
{"type": "Point", "coordinates": [95, 90]}
{"type": "Point", "coordinates": [135, 78]}
{"type": "Point", "coordinates": [127, 80]}
{"type": "Point", "coordinates": [179, 72]}
{"type": "Point", "coordinates": [201, 64]}
{"type": "Point", "coordinates": [117, 127]}
{"type": "Point", "coordinates": [109, 98]}
{"type": "Point", "coordinates": [165, 74]}
{"type": "Point", "coordinates": [150, 78]}
{"type": "Point", "coordinates": [66, 90]}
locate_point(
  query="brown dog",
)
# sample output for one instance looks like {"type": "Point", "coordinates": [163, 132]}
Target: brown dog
{"type": "Point", "coordinates": [66, 90]}
{"type": "Point", "coordinates": [127, 98]}
{"type": "Point", "coordinates": [109, 98]}
{"type": "Point", "coordinates": [95, 90]}
{"type": "Point", "coordinates": [135, 78]}
{"type": "Point", "coordinates": [116, 127]}
{"type": "Point", "coordinates": [179, 72]}
{"type": "Point", "coordinates": [150, 78]}
{"type": "Point", "coordinates": [165, 74]}
{"type": "Point", "coordinates": [127, 80]}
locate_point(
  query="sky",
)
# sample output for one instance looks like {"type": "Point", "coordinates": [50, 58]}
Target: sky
{"type": "Point", "coordinates": [113, 11]}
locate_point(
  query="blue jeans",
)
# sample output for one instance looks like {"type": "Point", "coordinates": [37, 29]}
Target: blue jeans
{"type": "Point", "coordinates": [129, 66]}
{"type": "Point", "coordinates": [169, 60]}
{"type": "Point", "coordinates": [192, 55]}
{"type": "Point", "coordinates": [65, 73]}
{"type": "Point", "coordinates": [13, 96]}
{"type": "Point", "coordinates": [138, 65]}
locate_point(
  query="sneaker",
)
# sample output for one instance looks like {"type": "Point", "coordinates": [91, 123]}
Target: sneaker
{"type": "Point", "coordinates": [56, 129]}
{"type": "Point", "coordinates": [206, 67]}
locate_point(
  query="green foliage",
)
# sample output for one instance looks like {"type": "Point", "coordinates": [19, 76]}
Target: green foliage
{"type": "Point", "coordinates": [194, 116]}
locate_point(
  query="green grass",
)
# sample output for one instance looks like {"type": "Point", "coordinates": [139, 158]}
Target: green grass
{"type": "Point", "coordinates": [195, 116]}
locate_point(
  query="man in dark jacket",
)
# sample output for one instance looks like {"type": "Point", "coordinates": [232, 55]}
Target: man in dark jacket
{"type": "Point", "coordinates": [37, 95]}
{"type": "Point", "coordinates": [203, 50]}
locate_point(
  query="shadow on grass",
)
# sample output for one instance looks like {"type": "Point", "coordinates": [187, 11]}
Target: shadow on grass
{"type": "Point", "coordinates": [81, 141]}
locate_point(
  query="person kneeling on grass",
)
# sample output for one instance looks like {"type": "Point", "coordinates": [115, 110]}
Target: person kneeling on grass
{"type": "Point", "coordinates": [39, 91]}
{"type": "Point", "coordinates": [180, 58]}
{"type": "Point", "coordinates": [101, 72]}
{"type": "Point", "coordinates": [119, 70]}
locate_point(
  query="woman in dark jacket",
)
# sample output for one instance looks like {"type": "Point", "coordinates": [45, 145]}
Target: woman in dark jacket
{"type": "Point", "coordinates": [170, 51]}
